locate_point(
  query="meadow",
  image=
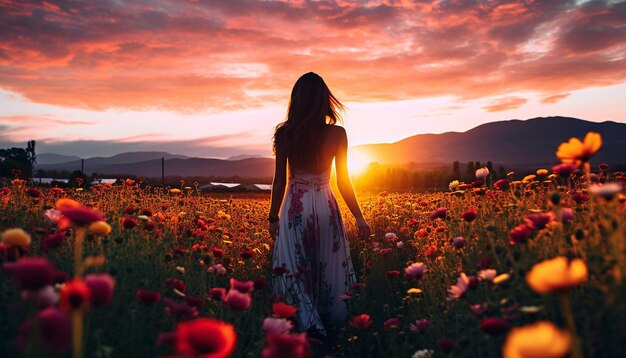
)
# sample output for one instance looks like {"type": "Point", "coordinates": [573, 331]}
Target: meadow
{"type": "Point", "coordinates": [521, 267]}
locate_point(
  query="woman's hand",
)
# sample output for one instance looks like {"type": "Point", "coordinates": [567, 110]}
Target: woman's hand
{"type": "Point", "coordinates": [273, 229]}
{"type": "Point", "coordinates": [364, 228]}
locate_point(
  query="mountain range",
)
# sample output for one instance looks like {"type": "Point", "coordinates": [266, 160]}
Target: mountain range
{"type": "Point", "coordinates": [515, 143]}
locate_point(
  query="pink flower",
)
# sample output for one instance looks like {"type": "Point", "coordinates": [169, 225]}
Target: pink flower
{"type": "Point", "coordinates": [392, 323]}
{"type": "Point", "coordinates": [419, 325]}
{"type": "Point", "coordinates": [286, 345]}
{"type": "Point", "coordinates": [478, 309]}
{"type": "Point", "coordinates": [217, 293]}
{"type": "Point", "coordinates": [566, 214]}
{"type": "Point", "coordinates": [487, 275]}
{"type": "Point", "coordinates": [469, 215]}
{"type": "Point", "coordinates": [101, 286]}
{"type": "Point", "coordinates": [241, 286]}
{"type": "Point", "coordinates": [416, 270]}
{"type": "Point", "coordinates": [53, 241]}
{"type": "Point", "coordinates": [277, 325]}
{"type": "Point", "coordinates": [30, 273]}
{"type": "Point", "coordinates": [237, 301]}
{"type": "Point", "coordinates": [217, 269]}
{"type": "Point", "coordinates": [439, 213]}
{"type": "Point", "coordinates": [458, 290]}
{"type": "Point", "coordinates": [52, 216]}
{"type": "Point", "coordinates": [539, 220]}
{"type": "Point", "coordinates": [459, 242]}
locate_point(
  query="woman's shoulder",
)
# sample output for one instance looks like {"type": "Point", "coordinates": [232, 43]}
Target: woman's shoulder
{"type": "Point", "coordinates": [336, 130]}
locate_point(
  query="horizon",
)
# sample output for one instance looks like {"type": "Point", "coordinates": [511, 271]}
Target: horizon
{"type": "Point", "coordinates": [212, 79]}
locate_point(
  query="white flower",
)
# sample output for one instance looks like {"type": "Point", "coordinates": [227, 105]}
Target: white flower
{"type": "Point", "coordinates": [52, 216]}
{"type": "Point", "coordinates": [180, 269]}
{"type": "Point", "coordinates": [482, 173]}
{"type": "Point", "coordinates": [391, 236]}
{"type": "Point", "coordinates": [399, 244]}
{"type": "Point", "coordinates": [607, 191]}
{"type": "Point", "coordinates": [276, 325]}
{"type": "Point", "coordinates": [453, 185]}
{"type": "Point", "coordinates": [423, 353]}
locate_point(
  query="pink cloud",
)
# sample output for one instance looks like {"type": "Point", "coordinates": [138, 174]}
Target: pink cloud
{"type": "Point", "coordinates": [220, 55]}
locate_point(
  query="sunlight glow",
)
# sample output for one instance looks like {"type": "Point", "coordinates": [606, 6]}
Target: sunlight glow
{"type": "Point", "coordinates": [357, 162]}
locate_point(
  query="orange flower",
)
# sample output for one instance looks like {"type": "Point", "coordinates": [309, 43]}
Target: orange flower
{"type": "Point", "coordinates": [541, 339]}
{"type": "Point", "coordinates": [575, 151]}
{"type": "Point", "coordinates": [205, 337]}
{"type": "Point", "coordinates": [556, 274]}
{"type": "Point", "coordinates": [361, 321]}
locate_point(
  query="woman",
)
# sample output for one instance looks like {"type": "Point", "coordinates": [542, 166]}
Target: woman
{"type": "Point", "coordinates": [312, 265]}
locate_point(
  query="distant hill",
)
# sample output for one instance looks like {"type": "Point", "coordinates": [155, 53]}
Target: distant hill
{"type": "Point", "coordinates": [244, 156]}
{"type": "Point", "coordinates": [54, 158]}
{"type": "Point", "coordinates": [175, 165]}
{"type": "Point", "coordinates": [514, 143]}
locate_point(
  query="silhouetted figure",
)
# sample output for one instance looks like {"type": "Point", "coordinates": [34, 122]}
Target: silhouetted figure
{"type": "Point", "coordinates": [312, 262]}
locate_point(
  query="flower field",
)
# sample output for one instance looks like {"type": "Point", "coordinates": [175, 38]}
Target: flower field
{"type": "Point", "coordinates": [520, 267]}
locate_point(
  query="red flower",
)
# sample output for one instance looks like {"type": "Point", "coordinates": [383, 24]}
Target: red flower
{"type": "Point", "coordinates": [101, 286]}
{"type": "Point", "coordinates": [494, 326]}
{"type": "Point", "coordinates": [217, 252]}
{"type": "Point", "coordinates": [54, 331]}
{"type": "Point", "coordinates": [391, 274]}
{"type": "Point", "coordinates": [130, 210]}
{"type": "Point", "coordinates": [520, 233]}
{"type": "Point", "coordinates": [34, 192]}
{"type": "Point", "coordinates": [205, 337]}
{"type": "Point", "coordinates": [30, 273]}
{"type": "Point", "coordinates": [197, 302]}
{"type": "Point", "coordinates": [469, 215]}
{"type": "Point", "coordinates": [502, 184]}
{"type": "Point", "coordinates": [246, 253]}
{"type": "Point", "coordinates": [286, 345]}
{"type": "Point", "coordinates": [148, 297]}
{"type": "Point", "coordinates": [217, 293]}
{"type": "Point", "coordinates": [149, 226]}
{"type": "Point", "coordinates": [447, 344]}
{"type": "Point", "coordinates": [283, 310]}
{"type": "Point", "coordinates": [129, 223]}
{"type": "Point", "coordinates": [564, 169]}
{"type": "Point", "coordinates": [75, 294]}
{"type": "Point", "coordinates": [174, 283]}
{"type": "Point", "coordinates": [539, 220]}
{"type": "Point", "coordinates": [76, 213]}
{"type": "Point", "coordinates": [361, 321]}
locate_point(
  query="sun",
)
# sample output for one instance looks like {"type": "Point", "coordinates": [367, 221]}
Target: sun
{"type": "Point", "coordinates": [357, 163]}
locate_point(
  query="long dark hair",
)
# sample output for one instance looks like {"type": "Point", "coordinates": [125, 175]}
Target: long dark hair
{"type": "Point", "coordinates": [311, 106]}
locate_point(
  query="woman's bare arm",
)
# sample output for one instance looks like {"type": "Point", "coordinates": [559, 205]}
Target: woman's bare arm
{"type": "Point", "coordinates": [343, 178]}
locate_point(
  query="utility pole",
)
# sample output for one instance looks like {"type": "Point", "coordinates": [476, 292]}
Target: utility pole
{"type": "Point", "coordinates": [82, 166]}
{"type": "Point", "coordinates": [163, 170]}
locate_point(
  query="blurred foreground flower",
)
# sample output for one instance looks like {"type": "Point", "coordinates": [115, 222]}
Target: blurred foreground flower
{"type": "Point", "coordinates": [276, 325]}
{"type": "Point", "coordinates": [16, 237]}
{"type": "Point", "coordinates": [30, 273]}
{"type": "Point", "coordinates": [556, 274]}
{"type": "Point", "coordinates": [286, 345]}
{"type": "Point", "coordinates": [205, 337]}
{"type": "Point", "coordinates": [541, 339]}
{"type": "Point", "coordinates": [577, 152]}
{"type": "Point", "coordinates": [53, 329]}
{"type": "Point", "coordinates": [458, 290]}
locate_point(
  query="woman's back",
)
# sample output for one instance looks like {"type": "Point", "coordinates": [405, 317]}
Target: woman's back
{"type": "Point", "coordinates": [323, 159]}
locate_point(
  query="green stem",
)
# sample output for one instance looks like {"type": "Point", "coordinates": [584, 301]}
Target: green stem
{"type": "Point", "coordinates": [566, 310]}
{"type": "Point", "coordinates": [77, 333]}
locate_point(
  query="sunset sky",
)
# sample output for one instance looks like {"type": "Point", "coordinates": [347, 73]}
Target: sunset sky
{"type": "Point", "coordinates": [212, 78]}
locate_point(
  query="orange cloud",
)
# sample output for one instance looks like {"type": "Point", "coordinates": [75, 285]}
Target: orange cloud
{"type": "Point", "coordinates": [555, 98]}
{"type": "Point", "coordinates": [222, 55]}
{"type": "Point", "coordinates": [506, 103]}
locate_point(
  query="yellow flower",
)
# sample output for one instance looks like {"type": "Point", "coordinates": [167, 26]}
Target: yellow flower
{"type": "Point", "coordinates": [414, 291]}
{"type": "Point", "coordinates": [575, 151]}
{"type": "Point", "coordinates": [101, 228]}
{"type": "Point", "coordinates": [541, 339]}
{"type": "Point", "coordinates": [175, 191]}
{"type": "Point", "coordinates": [556, 274]}
{"type": "Point", "coordinates": [529, 178]}
{"type": "Point", "coordinates": [501, 278]}
{"type": "Point", "coordinates": [542, 172]}
{"type": "Point", "coordinates": [16, 237]}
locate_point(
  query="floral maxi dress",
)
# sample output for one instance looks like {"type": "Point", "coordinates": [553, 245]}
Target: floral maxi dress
{"type": "Point", "coordinates": [312, 264]}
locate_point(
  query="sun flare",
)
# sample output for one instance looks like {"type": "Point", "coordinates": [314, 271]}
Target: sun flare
{"type": "Point", "coordinates": [357, 163]}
